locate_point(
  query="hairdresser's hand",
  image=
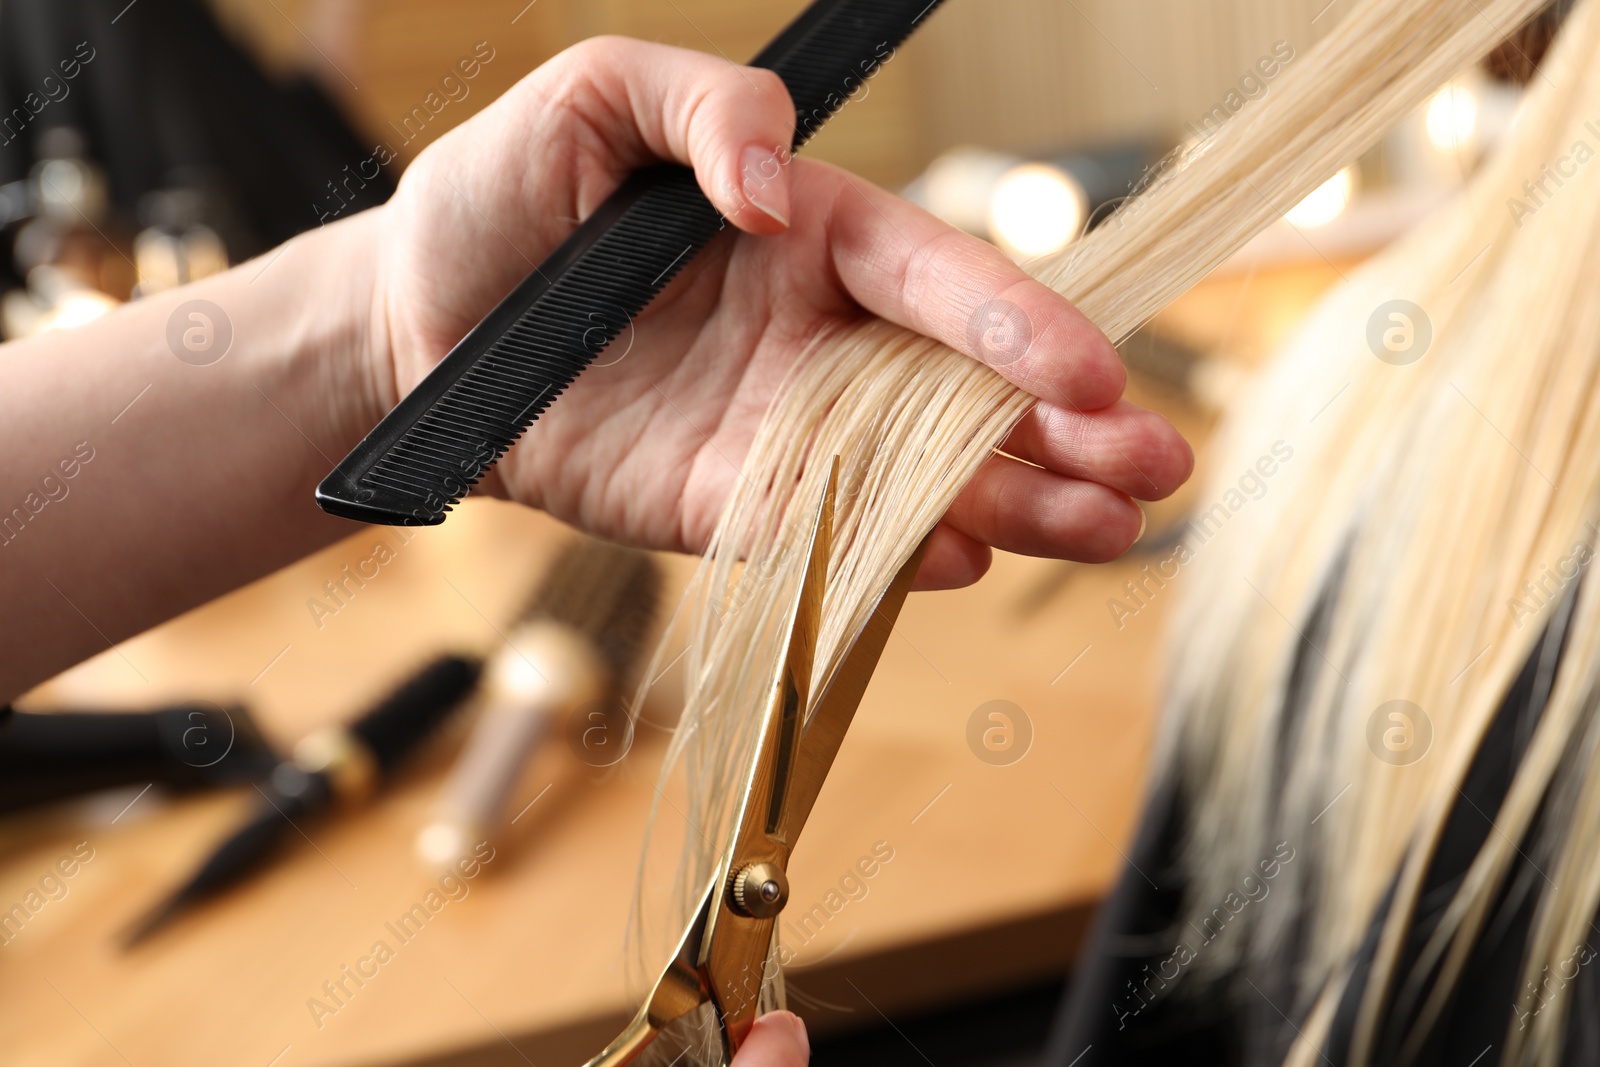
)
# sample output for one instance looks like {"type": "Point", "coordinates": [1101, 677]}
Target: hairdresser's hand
{"type": "Point", "coordinates": [778, 1039]}
{"type": "Point", "coordinates": [647, 444]}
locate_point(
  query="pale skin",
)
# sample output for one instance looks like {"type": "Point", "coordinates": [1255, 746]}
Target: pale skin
{"type": "Point", "coordinates": [778, 1039]}
{"type": "Point", "coordinates": [201, 477]}
{"type": "Point", "coordinates": [205, 482]}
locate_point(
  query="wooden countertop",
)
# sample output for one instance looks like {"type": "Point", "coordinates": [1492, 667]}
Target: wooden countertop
{"type": "Point", "coordinates": [532, 956]}
{"type": "Point", "coordinates": [991, 873]}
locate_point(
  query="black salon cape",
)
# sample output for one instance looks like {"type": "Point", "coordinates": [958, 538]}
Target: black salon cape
{"type": "Point", "coordinates": [1136, 928]}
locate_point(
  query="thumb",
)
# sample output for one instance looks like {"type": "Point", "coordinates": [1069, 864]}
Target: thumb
{"type": "Point", "coordinates": [778, 1039]}
{"type": "Point", "coordinates": [732, 124]}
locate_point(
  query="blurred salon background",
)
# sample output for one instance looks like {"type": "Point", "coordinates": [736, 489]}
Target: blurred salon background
{"type": "Point", "coordinates": [994, 773]}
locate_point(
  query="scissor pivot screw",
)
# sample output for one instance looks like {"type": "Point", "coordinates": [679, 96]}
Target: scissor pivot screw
{"type": "Point", "coordinates": [760, 890]}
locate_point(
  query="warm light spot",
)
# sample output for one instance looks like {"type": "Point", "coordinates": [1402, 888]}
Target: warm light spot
{"type": "Point", "coordinates": [442, 844]}
{"type": "Point", "coordinates": [1036, 210]}
{"type": "Point", "coordinates": [1326, 203]}
{"type": "Point", "coordinates": [1452, 117]}
{"type": "Point", "coordinates": [76, 309]}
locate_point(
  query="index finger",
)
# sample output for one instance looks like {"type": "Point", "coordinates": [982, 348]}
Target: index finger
{"type": "Point", "coordinates": [903, 264]}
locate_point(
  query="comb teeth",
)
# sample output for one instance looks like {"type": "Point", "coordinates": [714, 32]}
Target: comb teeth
{"type": "Point", "coordinates": [807, 55]}
{"type": "Point", "coordinates": [503, 375]}
{"type": "Point", "coordinates": [441, 439]}
{"type": "Point", "coordinates": [606, 593]}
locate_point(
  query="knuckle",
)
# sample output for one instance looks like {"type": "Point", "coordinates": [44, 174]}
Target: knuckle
{"type": "Point", "coordinates": [920, 271]}
{"type": "Point", "coordinates": [699, 121]}
{"type": "Point", "coordinates": [600, 48]}
{"type": "Point", "coordinates": [997, 504]}
{"type": "Point", "coordinates": [1073, 434]}
{"type": "Point", "coordinates": [562, 77]}
{"type": "Point", "coordinates": [589, 62]}
{"type": "Point", "coordinates": [773, 94]}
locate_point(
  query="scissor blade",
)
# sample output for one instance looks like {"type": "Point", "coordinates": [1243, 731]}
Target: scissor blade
{"type": "Point", "coordinates": [680, 990]}
{"type": "Point", "coordinates": [788, 749]}
{"type": "Point", "coordinates": [836, 707]}
{"type": "Point", "coordinates": [739, 936]}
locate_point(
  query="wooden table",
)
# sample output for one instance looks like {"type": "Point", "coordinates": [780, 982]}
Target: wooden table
{"type": "Point", "coordinates": [993, 868]}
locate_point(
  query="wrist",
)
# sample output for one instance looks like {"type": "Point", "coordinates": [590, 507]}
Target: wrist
{"type": "Point", "coordinates": [210, 413]}
{"type": "Point", "coordinates": [330, 365]}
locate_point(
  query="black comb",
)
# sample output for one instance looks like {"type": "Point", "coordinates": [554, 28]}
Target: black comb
{"type": "Point", "coordinates": [445, 435]}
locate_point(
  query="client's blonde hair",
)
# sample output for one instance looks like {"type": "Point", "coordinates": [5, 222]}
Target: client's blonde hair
{"type": "Point", "coordinates": [912, 421]}
{"type": "Point", "coordinates": [1432, 526]}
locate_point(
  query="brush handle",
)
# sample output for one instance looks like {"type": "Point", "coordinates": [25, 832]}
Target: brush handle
{"type": "Point", "coordinates": [445, 435]}
{"type": "Point", "coordinates": [49, 756]}
{"type": "Point", "coordinates": [400, 722]}
{"type": "Point", "coordinates": [548, 672]}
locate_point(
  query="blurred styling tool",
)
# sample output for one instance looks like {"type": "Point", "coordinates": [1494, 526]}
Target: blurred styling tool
{"type": "Point", "coordinates": [722, 958]}
{"type": "Point", "coordinates": [445, 435]}
{"type": "Point", "coordinates": [108, 129]}
{"type": "Point", "coordinates": [342, 764]}
{"type": "Point", "coordinates": [568, 661]}
{"type": "Point", "coordinates": [51, 756]}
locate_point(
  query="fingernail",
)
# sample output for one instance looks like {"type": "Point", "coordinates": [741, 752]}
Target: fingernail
{"type": "Point", "coordinates": [1144, 524]}
{"type": "Point", "coordinates": [800, 1034]}
{"type": "Point", "coordinates": [762, 179]}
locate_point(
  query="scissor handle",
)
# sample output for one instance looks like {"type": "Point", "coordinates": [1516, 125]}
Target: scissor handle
{"type": "Point", "coordinates": [723, 953]}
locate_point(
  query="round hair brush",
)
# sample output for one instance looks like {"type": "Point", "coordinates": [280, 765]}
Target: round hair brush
{"type": "Point", "coordinates": [577, 647]}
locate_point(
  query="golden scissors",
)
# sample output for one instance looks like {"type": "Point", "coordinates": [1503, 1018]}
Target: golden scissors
{"type": "Point", "coordinates": [722, 957]}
